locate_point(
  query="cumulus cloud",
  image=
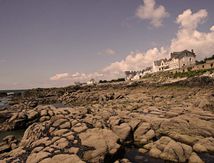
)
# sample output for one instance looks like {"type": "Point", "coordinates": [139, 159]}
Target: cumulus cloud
{"type": "Point", "coordinates": [75, 77]}
{"type": "Point", "coordinates": [85, 76]}
{"type": "Point", "coordinates": [108, 51]}
{"type": "Point", "coordinates": [149, 11]}
{"type": "Point", "coordinates": [190, 21]}
{"type": "Point", "coordinates": [189, 37]}
{"type": "Point", "coordinates": [61, 76]}
{"type": "Point", "coordinates": [136, 61]}
{"type": "Point", "coordinates": [212, 28]}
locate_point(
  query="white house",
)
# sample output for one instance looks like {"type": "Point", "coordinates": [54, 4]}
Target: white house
{"type": "Point", "coordinates": [91, 82]}
{"type": "Point", "coordinates": [160, 65]}
{"type": "Point", "coordinates": [177, 60]}
{"type": "Point", "coordinates": [136, 75]}
{"type": "Point", "coordinates": [133, 75]}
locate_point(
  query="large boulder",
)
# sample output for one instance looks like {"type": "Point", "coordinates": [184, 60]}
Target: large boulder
{"type": "Point", "coordinates": [143, 134]}
{"type": "Point", "coordinates": [205, 145]}
{"type": "Point", "coordinates": [122, 131]}
{"type": "Point", "coordinates": [101, 141]}
{"type": "Point", "coordinates": [168, 149]}
{"type": "Point", "coordinates": [194, 158]}
{"type": "Point", "coordinates": [65, 158]}
{"type": "Point", "coordinates": [186, 130]}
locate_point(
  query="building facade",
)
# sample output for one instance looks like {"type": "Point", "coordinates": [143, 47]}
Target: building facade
{"type": "Point", "coordinates": [136, 75]}
{"type": "Point", "coordinates": [177, 60]}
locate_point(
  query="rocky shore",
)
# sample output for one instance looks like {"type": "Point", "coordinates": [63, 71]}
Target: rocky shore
{"type": "Point", "coordinates": [171, 122]}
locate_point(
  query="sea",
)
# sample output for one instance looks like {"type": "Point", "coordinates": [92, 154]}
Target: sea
{"type": "Point", "coordinates": [6, 95]}
{"type": "Point", "coordinates": [3, 102]}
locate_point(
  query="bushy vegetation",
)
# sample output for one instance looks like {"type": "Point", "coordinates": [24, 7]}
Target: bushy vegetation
{"type": "Point", "coordinates": [210, 58]}
{"type": "Point", "coordinates": [191, 73]}
{"type": "Point", "coordinates": [112, 81]}
{"type": "Point", "coordinates": [204, 61]}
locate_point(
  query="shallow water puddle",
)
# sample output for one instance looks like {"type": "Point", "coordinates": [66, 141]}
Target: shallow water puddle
{"type": "Point", "coordinates": [17, 133]}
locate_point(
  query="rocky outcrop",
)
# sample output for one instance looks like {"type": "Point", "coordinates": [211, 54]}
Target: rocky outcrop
{"type": "Point", "coordinates": [63, 137]}
{"type": "Point", "coordinates": [168, 149]}
{"type": "Point", "coordinates": [101, 122]}
{"type": "Point", "coordinates": [9, 143]}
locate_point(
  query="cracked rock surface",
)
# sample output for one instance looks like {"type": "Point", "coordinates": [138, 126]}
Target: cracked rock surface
{"type": "Point", "coordinates": [98, 123]}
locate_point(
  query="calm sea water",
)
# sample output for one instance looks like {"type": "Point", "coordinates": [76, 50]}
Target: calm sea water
{"type": "Point", "coordinates": [17, 133]}
{"type": "Point", "coordinates": [3, 102]}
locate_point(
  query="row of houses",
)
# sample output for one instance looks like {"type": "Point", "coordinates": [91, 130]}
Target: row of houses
{"type": "Point", "coordinates": [178, 62]}
{"type": "Point", "coordinates": [136, 75]}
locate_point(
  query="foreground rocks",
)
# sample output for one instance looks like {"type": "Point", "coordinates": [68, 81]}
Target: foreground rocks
{"type": "Point", "coordinates": [169, 123]}
{"type": "Point", "coordinates": [9, 142]}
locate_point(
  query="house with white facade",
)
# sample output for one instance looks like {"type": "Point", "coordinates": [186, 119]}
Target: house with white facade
{"type": "Point", "coordinates": [136, 75]}
{"type": "Point", "coordinates": [91, 82]}
{"type": "Point", "coordinates": [177, 60]}
{"type": "Point", "coordinates": [133, 75]}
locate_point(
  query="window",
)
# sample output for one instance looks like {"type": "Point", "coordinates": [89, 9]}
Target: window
{"type": "Point", "coordinates": [211, 65]}
{"type": "Point", "coordinates": [203, 66]}
{"type": "Point", "coordinates": [190, 59]}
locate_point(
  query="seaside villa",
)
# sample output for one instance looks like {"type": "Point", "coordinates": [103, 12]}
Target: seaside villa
{"type": "Point", "coordinates": [177, 60]}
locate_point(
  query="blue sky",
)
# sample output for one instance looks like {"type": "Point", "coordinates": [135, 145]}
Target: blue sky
{"type": "Point", "coordinates": [82, 39]}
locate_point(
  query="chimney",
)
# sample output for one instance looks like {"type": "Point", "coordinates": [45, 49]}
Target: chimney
{"type": "Point", "coordinates": [192, 51]}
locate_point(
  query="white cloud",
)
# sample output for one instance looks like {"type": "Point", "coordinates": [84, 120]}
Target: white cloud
{"type": "Point", "coordinates": [212, 28]}
{"type": "Point", "coordinates": [189, 37]}
{"type": "Point", "coordinates": [71, 78]}
{"type": "Point", "coordinates": [85, 76]}
{"type": "Point", "coordinates": [190, 21]}
{"type": "Point", "coordinates": [61, 76]}
{"type": "Point", "coordinates": [136, 61]}
{"type": "Point", "coordinates": [149, 11]}
{"type": "Point", "coordinates": [108, 51]}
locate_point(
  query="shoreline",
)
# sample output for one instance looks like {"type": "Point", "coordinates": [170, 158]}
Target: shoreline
{"type": "Point", "coordinates": [98, 122]}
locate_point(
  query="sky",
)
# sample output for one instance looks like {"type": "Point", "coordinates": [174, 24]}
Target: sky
{"type": "Point", "coordinates": [52, 43]}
